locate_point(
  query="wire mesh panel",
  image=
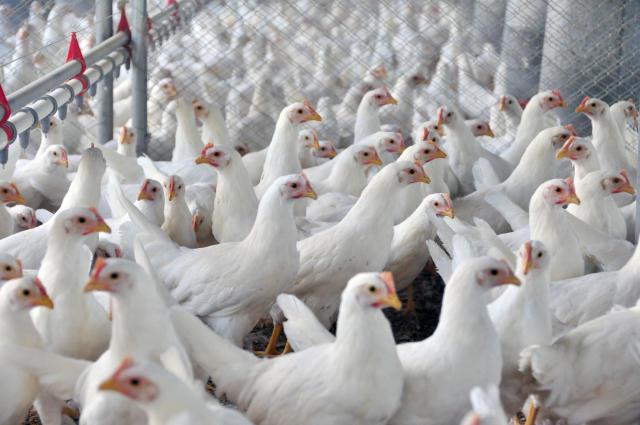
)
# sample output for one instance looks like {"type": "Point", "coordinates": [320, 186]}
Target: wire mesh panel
{"type": "Point", "coordinates": [247, 59]}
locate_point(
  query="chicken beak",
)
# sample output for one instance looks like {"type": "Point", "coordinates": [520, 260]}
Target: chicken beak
{"type": "Point", "coordinates": [316, 143]}
{"type": "Point", "coordinates": [390, 300]}
{"type": "Point", "coordinates": [99, 226]}
{"type": "Point", "coordinates": [332, 153]}
{"type": "Point", "coordinates": [422, 177]}
{"type": "Point", "coordinates": [171, 192]}
{"type": "Point", "coordinates": [489, 132]}
{"type": "Point", "coordinates": [313, 115]}
{"type": "Point", "coordinates": [112, 384]}
{"type": "Point", "coordinates": [95, 284]}
{"type": "Point", "coordinates": [43, 301]}
{"type": "Point", "coordinates": [439, 154]}
{"type": "Point", "coordinates": [580, 109]}
{"type": "Point", "coordinates": [310, 193]}
{"type": "Point", "coordinates": [502, 104]}
{"type": "Point", "coordinates": [17, 198]}
{"type": "Point", "coordinates": [64, 160]}
{"type": "Point", "coordinates": [195, 223]}
{"type": "Point", "coordinates": [375, 160]}
{"type": "Point", "coordinates": [440, 121]}
{"type": "Point", "coordinates": [509, 279]}
{"type": "Point", "coordinates": [572, 199]}
{"type": "Point", "coordinates": [143, 195]}
{"type": "Point", "coordinates": [202, 160]}
{"type": "Point", "coordinates": [563, 104]}
{"type": "Point", "coordinates": [448, 212]}
{"type": "Point", "coordinates": [390, 100]}
{"type": "Point", "coordinates": [565, 150]}
{"type": "Point", "coordinates": [171, 91]}
{"type": "Point", "coordinates": [627, 189]}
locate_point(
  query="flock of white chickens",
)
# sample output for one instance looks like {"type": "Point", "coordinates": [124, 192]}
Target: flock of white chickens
{"type": "Point", "coordinates": [128, 283]}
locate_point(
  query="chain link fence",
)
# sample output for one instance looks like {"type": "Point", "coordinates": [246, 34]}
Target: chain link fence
{"type": "Point", "coordinates": [249, 58]}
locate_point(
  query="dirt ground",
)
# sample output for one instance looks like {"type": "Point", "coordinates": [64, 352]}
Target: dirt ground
{"type": "Point", "coordinates": [427, 294]}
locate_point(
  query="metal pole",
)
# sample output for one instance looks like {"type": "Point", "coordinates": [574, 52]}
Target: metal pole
{"type": "Point", "coordinates": [637, 229]}
{"type": "Point", "coordinates": [139, 73]}
{"type": "Point", "coordinates": [104, 30]}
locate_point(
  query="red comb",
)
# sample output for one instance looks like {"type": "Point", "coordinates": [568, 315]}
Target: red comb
{"type": "Point", "coordinates": [571, 129]}
{"type": "Point", "coordinates": [557, 93]}
{"type": "Point", "coordinates": [425, 133]}
{"type": "Point", "coordinates": [584, 101]}
{"type": "Point", "coordinates": [387, 278]}
{"type": "Point", "coordinates": [126, 363]}
{"type": "Point", "coordinates": [206, 148]}
{"type": "Point", "coordinates": [309, 106]}
{"type": "Point", "coordinates": [96, 213]}
{"type": "Point", "coordinates": [100, 264]}
{"type": "Point", "coordinates": [40, 286]}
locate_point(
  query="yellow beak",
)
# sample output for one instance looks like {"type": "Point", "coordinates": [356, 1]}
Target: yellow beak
{"type": "Point", "coordinates": [101, 226]}
{"type": "Point", "coordinates": [96, 285]}
{"type": "Point", "coordinates": [201, 160]}
{"type": "Point", "coordinates": [43, 301]}
{"type": "Point", "coordinates": [424, 179]}
{"type": "Point", "coordinates": [562, 153]}
{"type": "Point", "coordinates": [440, 154]}
{"type": "Point", "coordinates": [391, 300]}
{"type": "Point", "coordinates": [111, 384]}
{"type": "Point", "coordinates": [310, 194]}
{"type": "Point", "coordinates": [449, 212]}
{"type": "Point", "coordinates": [489, 133]}
{"type": "Point", "coordinates": [628, 189]}
{"type": "Point", "coordinates": [581, 109]}
{"type": "Point", "coordinates": [510, 279]}
{"type": "Point", "coordinates": [314, 116]}
{"type": "Point", "coordinates": [17, 198]}
{"type": "Point", "coordinates": [572, 199]}
{"type": "Point", "coordinates": [390, 101]}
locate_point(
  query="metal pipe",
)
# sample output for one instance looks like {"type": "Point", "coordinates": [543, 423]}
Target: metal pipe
{"type": "Point", "coordinates": [43, 107]}
{"type": "Point", "coordinates": [104, 31]}
{"type": "Point", "coordinates": [21, 97]}
{"type": "Point", "coordinates": [139, 73]}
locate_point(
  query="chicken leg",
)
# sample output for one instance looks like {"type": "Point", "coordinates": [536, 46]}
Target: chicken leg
{"type": "Point", "coordinates": [270, 350]}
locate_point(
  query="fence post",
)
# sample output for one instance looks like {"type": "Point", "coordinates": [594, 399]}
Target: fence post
{"type": "Point", "coordinates": [104, 30]}
{"type": "Point", "coordinates": [637, 224]}
{"type": "Point", "coordinates": [139, 73]}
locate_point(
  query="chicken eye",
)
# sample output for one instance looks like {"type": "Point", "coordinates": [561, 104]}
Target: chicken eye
{"type": "Point", "coordinates": [564, 136]}
{"type": "Point", "coordinates": [216, 154]}
{"type": "Point", "coordinates": [558, 190]}
{"type": "Point", "coordinates": [539, 255]}
{"type": "Point", "coordinates": [323, 148]}
{"type": "Point", "coordinates": [114, 275]}
{"type": "Point", "coordinates": [134, 382]}
{"type": "Point", "coordinates": [494, 272]}
{"type": "Point", "coordinates": [26, 292]}
{"type": "Point", "coordinates": [435, 127]}
{"type": "Point", "coordinates": [550, 99]}
{"type": "Point", "coordinates": [616, 180]}
{"type": "Point", "coordinates": [8, 268]}
{"type": "Point", "coordinates": [55, 154]}
{"type": "Point", "coordinates": [437, 204]}
{"type": "Point", "coordinates": [593, 105]}
{"type": "Point", "coordinates": [366, 154]}
{"type": "Point", "coordinates": [479, 127]}
{"type": "Point", "coordinates": [306, 137]}
{"type": "Point", "coordinates": [154, 189]}
{"type": "Point", "coordinates": [412, 171]}
{"type": "Point", "coordinates": [5, 191]}
{"type": "Point", "coordinates": [300, 111]}
{"type": "Point", "coordinates": [82, 220]}
{"type": "Point", "coordinates": [579, 148]}
{"type": "Point", "coordinates": [378, 96]}
{"type": "Point", "coordinates": [392, 141]}
{"type": "Point", "coordinates": [510, 102]}
{"type": "Point", "coordinates": [294, 185]}
{"type": "Point", "coordinates": [449, 114]}
{"type": "Point", "coordinates": [372, 289]}
{"type": "Point", "coordinates": [180, 187]}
